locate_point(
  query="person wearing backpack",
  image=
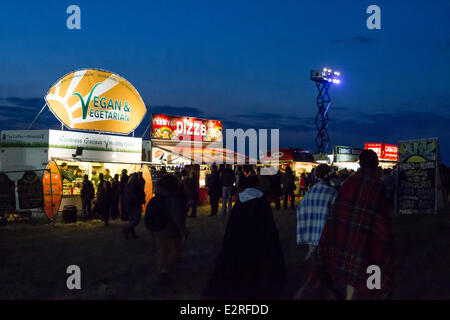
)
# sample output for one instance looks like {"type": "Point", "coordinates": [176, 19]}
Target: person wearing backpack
{"type": "Point", "coordinates": [165, 218]}
{"type": "Point", "coordinates": [87, 194]}
{"type": "Point", "coordinates": [214, 189]}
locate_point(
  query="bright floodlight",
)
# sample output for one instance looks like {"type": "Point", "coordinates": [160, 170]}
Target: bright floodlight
{"type": "Point", "coordinates": [325, 76]}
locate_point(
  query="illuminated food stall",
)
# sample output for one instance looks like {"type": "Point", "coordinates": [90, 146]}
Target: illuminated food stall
{"type": "Point", "coordinates": [87, 100]}
{"type": "Point", "coordinates": [300, 161]}
{"type": "Point", "coordinates": [177, 141]}
{"type": "Point", "coordinates": [346, 157]}
{"type": "Point", "coordinates": [387, 153]}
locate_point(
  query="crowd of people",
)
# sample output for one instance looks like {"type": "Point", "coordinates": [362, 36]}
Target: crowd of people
{"type": "Point", "coordinates": [342, 218]}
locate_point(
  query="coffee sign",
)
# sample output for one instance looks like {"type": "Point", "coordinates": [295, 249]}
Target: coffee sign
{"type": "Point", "coordinates": [96, 100]}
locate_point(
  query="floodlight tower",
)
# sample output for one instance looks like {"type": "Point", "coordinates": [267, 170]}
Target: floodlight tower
{"type": "Point", "coordinates": [323, 79]}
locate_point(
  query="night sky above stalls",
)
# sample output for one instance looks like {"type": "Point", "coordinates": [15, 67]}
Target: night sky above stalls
{"type": "Point", "coordinates": [244, 62]}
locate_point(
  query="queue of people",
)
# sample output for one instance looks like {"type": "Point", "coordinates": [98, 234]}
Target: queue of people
{"type": "Point", "coordinates": [111, 200]}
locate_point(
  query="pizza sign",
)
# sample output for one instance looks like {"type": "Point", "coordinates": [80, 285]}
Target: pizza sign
{"type": "Point", "coordinates": [177, 128]}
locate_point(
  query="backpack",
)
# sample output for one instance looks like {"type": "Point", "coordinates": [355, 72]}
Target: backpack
{"type": "Point", "coordinates": [156, 218]}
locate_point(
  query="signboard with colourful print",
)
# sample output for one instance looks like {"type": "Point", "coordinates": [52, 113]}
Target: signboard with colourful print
{"type": "Point", "coordinates": [178, 128]}
{"type": "Point", "coordinates": [96, 100]}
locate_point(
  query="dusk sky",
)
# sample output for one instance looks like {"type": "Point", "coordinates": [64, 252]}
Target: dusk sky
{"type": "Point", "coordinates": [244, 62]}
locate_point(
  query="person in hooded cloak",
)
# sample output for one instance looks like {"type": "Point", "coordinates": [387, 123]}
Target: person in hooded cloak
{"type": "Point", "coordinates": [250, 264]}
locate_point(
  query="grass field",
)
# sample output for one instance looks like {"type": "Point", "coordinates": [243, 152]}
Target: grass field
{"type": "Point", "coordinates": [34, 259]}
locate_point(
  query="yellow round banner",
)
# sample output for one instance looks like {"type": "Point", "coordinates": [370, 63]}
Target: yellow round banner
{"type": "Point", "coordinates": [96, 100]}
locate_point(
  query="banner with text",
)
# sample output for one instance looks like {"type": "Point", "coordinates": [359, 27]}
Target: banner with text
{"type": "Point", "coordinates": [417, 176]}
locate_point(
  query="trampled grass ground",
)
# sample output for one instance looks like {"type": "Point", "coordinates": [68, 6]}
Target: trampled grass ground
{"type": "Point", "coordinates": [34, 259]}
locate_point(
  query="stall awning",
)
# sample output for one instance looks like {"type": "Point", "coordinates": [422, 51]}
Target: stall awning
{"type": "Point", "coordinates": [292, 154]}
{"type": "Point", "coordinates": [205, 155]}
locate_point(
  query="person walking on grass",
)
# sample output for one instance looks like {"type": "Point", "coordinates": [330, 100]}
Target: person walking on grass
{"type": "Point", "coordinates": [191, 187]}
{"type": "Point", "coordinates": [357, 234]}
{"type": "Point", "coordinates": [227, 179]}
{"type": "Point", "coordinates": [313, 209]}
{"type": "Point", "coordinates": [165, 218]}
{"type": "Point", "coordinates": [312, 212]}
{"type": "Point", "coordinates": [250, 264]}
{"type": "Point", "coordinates": [134, 199]}
{"type": "Point", "coordinates": [275, 186]}
{"type": "Point", "coordinates": [288, 182]}
{"type": "Point", "coordinates": [214, 189]}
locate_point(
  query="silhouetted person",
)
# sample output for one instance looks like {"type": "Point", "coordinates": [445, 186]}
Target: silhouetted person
{"type": "Point", "coordinates": [288, 182]}
{"type": "Point", "coordinates": [275, 186]}
{"type": "Point", "coordinates": [168, 240]}
{"type": "Point", "coordinates": [115, 197]}
{"type": "Point", "coordinates": [192, 190]}
{"type": "Point", "coordinates": [250, 264]}
{"type": "Point", "coordinates": [227, 179]}
{"type": "Point", "coordinates": [123, 183]}
{"type": "Point", "coordinates": [214, 189]}
{"type": "Point", "coordinates": [87, 195]}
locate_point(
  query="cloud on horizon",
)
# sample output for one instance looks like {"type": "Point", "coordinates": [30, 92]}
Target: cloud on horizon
{"type": "Point", "coordinates": [295, 131]}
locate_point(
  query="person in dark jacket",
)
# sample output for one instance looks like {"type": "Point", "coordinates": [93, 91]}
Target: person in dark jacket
{"type": "Point", "coordinates": [87, 195]}
{"type": "Point", "coordinates": [227, 179]}
{"type": "Point", "coordinates": [134, 199]}
{"type": "Point", "coordinates": [214, 189]}
{"type": "Point", "coordinates": [191, 187]}
{"type": "Point", "coordinates": [123, 183]}
{"type": "Point", "coordinates": [168, 241]}
{"type": "Point", "coordinates": [115, 196]}
{"type": "Point", "coordinates": [100, 204]}
{"type": "Point", "coordinates": [288, 182]}
{"type": "Point", "coordinates": [275, 188]}
{"type": "Point", "coordinates": [250, 265]}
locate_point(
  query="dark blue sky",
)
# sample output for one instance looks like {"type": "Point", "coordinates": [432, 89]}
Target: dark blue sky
{"type": "Point", "coordinates": [246, 62]}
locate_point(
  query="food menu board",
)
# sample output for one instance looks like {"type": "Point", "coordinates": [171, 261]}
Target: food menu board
{"type": "Point", "coordinates": [417, 172]}
{"type": "Point", "coordinates": [52, 185]}
{"type": "Point", "coordinates": [177, 128]}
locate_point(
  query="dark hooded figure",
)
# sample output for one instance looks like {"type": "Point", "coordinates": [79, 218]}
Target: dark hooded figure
{"type": "Point", "coordinates": [251, 263]}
